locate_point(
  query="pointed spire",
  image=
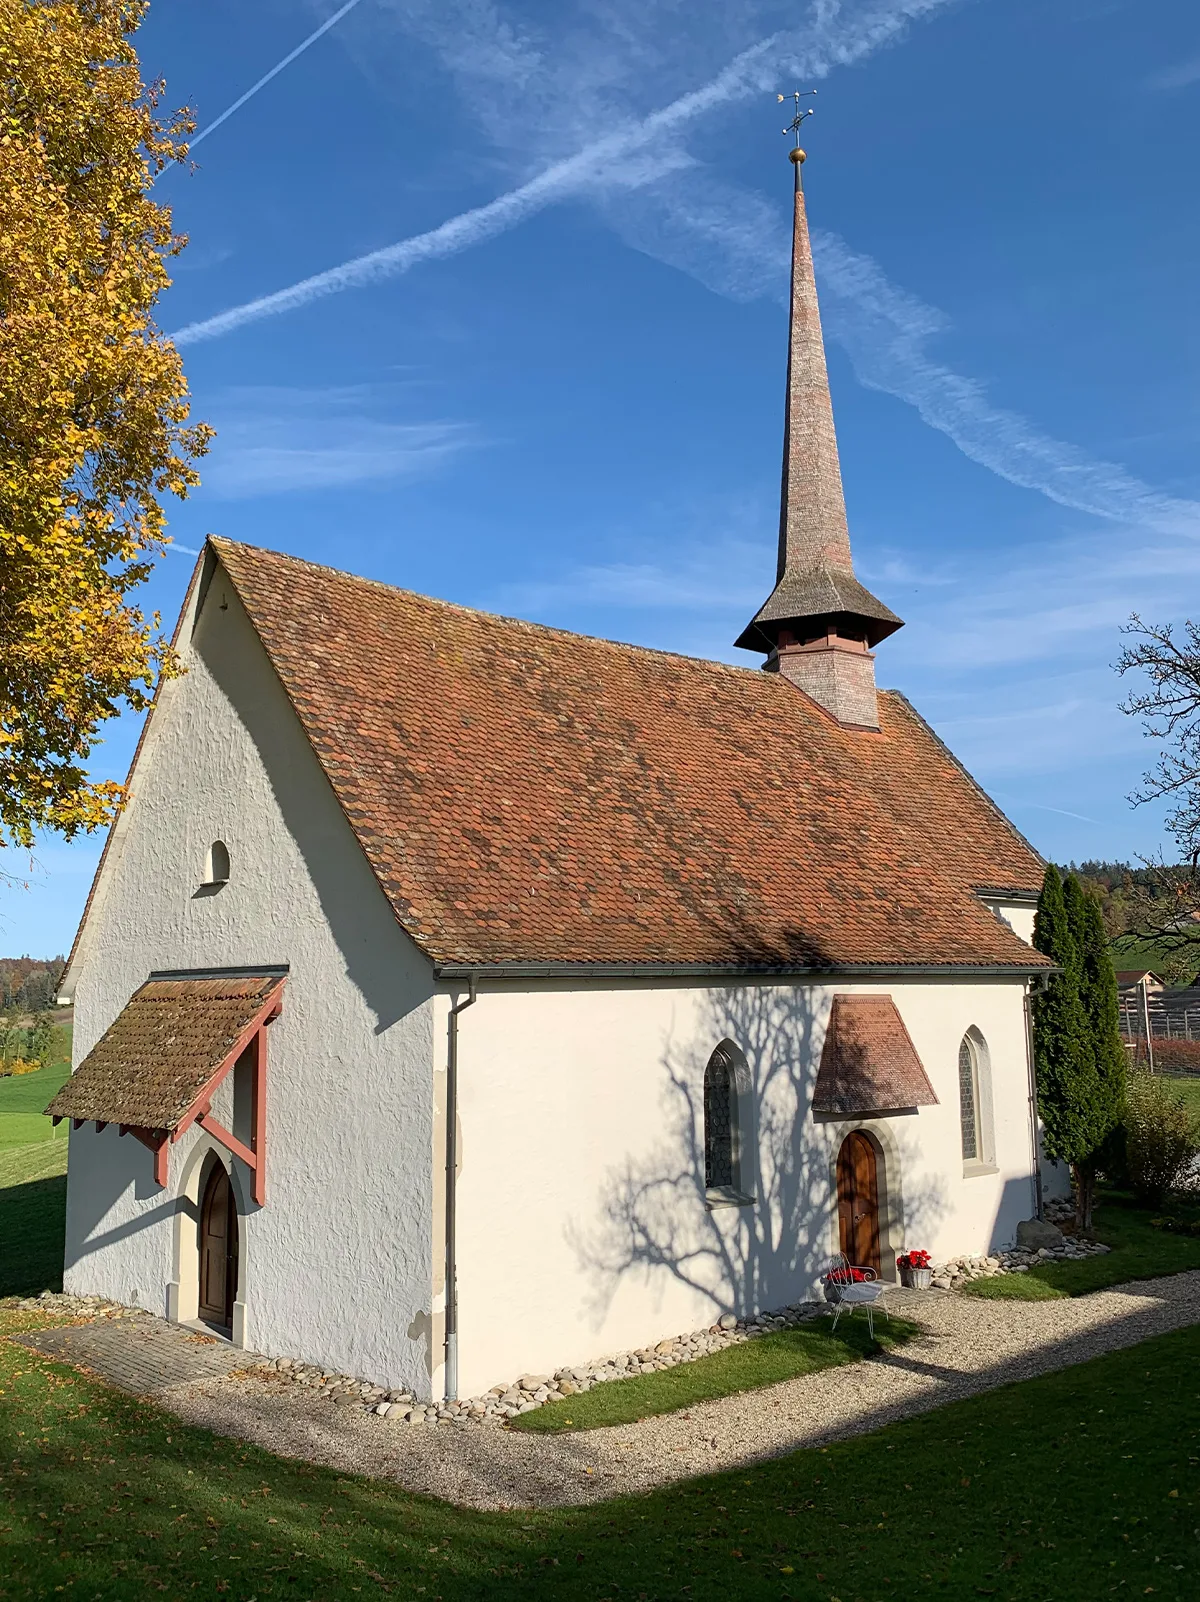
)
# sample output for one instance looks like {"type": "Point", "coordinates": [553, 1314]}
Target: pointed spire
{"type": "Point", "coordinates": [818, 610]}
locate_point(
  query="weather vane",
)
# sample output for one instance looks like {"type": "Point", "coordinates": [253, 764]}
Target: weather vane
{"type": "Point", "coordinates": [793, 127]}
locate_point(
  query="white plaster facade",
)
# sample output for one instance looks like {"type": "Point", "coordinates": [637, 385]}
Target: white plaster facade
{"type": "Point", "coordinates": [582, 1224]}
{"type": "Point", "coordinates": [582, 1221]}
{"type": "Point", "coordinates": [336, 1266]}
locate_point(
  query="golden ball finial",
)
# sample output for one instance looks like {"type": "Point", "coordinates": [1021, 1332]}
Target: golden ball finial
{"type": "Point", "coordinates": [797, 155]}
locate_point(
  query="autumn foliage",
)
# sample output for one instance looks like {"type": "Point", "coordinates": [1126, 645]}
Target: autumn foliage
{"type": "Point", "coordinates": [94, 428]}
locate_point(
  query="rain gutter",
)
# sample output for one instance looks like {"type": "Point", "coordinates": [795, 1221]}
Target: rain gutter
{"type": "Point", "coordinates": [448, 973]}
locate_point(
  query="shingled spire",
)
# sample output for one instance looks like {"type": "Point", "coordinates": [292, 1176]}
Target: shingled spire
{"type": "Point", "coordinates": [820, 623]}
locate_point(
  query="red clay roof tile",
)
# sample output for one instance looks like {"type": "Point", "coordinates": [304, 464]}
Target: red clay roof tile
{"type": "Point", "coordinates": [162, 1049]}
{"type": "Point", "coordinates": [868, 1061]}
{"type": "Point", "coordinates": [525, 795]}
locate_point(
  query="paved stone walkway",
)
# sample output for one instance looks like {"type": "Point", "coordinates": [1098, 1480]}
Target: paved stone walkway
{"type": "Point", "coordinates": [141, 1354]}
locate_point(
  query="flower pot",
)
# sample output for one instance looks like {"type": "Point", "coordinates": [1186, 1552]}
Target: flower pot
{"type": "Point", "coordinates": [917, 1278]}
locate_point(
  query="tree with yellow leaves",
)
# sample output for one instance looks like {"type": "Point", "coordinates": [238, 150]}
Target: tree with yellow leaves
{"type": "Point", "coordinates": [94, 426]}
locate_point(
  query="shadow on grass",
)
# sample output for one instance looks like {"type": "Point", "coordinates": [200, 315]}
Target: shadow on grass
{"type": "Point", "coordinates": [1052, 1488]}
{"type": "Point", "coordinates": [32, 1227]}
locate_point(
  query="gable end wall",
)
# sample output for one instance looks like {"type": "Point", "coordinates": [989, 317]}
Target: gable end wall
{"type": "Point", "coordinates": [337, 1264]}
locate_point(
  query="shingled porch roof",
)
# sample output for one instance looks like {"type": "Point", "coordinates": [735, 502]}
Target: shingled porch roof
{"type": "Point", "coordinates": [165, 1047]}
{"type": "Point", "coordinates": [868, 1062]}
{"type": "Point", "coordinates": [528, 796]}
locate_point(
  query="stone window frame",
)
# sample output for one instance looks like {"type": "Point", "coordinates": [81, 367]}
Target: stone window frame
{"type": "Point", "coordinates": [983, 1161]}
{"type": "Point", "coordinates": [735, 1187]}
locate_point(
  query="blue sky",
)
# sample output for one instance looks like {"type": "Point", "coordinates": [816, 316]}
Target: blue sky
{"type": "Point", "coordinates": [554, 387]}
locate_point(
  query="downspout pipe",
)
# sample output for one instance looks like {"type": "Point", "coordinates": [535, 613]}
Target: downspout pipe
{"type": "Point", "coordinates": [452, 1193]}
{"type": "Point", "coordinates": [1033, 1094]}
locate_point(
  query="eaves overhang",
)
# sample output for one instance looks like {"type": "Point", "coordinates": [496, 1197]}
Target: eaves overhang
{"type": "Point", "coordinates": [452, 973]}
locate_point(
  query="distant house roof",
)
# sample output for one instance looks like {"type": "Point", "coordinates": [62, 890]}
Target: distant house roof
{"type": "Point", "coordinates": [868, 1061]}
{"type": "Point", "coordinates": [169, 1041]}
{"type": "Point", "coordinates": [531, 797]}
{"type": "Point", "coordinates": [1131, 976]}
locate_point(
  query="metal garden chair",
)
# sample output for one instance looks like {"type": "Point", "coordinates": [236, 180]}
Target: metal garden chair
{"type": "Point", "coordinates": [848, 1287]}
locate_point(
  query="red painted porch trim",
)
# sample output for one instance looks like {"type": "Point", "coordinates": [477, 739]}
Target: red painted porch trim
{"type": "Point", "coordinates": [231, 1143]}
{"type": "Point", "coordinates": [254, 1038]}
{"type": "Point", "coordinates": [270, 1009]}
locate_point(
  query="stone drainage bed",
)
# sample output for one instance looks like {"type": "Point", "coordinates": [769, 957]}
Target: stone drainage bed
{"type": "Point", "coordinates": [503, 1402]}
{"type": "Point", "coordinates": [498, 1405]}
{"type": "Point", "coordinates": [955, 1273]}
{"type": "Point", "coordinates": [530, 1391]}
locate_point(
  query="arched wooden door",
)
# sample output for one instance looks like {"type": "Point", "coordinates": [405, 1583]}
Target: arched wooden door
{"type": "Point", "coordinates": [218, 1251]}
{"type": "Point", "coordinates": [858, 1201]}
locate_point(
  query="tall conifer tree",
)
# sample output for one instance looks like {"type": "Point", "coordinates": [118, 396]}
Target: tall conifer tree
{"type": "Point", "coordinates": [1098, 994]}
{"type": "Point", "coordinates": [1068, 1088]}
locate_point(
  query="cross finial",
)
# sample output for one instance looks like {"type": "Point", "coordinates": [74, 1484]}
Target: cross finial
{"type": "Point", "coordinates": [793, 127]}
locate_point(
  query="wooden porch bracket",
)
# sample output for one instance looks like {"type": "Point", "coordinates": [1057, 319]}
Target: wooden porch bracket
{"type": "Point", "coordinates": [200, 1112]}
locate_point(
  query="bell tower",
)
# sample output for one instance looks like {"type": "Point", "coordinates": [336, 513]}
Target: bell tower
{"type": "Point", "coordinates": [819, 626]}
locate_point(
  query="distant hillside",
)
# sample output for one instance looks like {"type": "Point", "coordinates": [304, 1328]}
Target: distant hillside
{"type": "Point", "coordinates": [1123, 891]}
{"type": "Point", "coordinates": [29, 984]}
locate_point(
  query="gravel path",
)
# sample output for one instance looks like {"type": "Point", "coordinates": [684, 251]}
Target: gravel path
{"type": "Point", "coordinates": [968, 1345]}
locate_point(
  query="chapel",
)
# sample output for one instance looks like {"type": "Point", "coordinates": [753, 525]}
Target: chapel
{"type": "Point", "coordinates": [459, 997]}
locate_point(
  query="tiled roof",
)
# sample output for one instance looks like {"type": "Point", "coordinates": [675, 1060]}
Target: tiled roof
{"type": "Point", "coordinates": [166, 1044]}
{"type": "Point", "coordinates": [868, 1062]}
{"type": "Point", "coordinates": [529, 796]}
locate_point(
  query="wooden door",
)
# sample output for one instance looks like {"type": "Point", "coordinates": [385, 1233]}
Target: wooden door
{"type": "Point", "coordinates": [858, 1201]}
{"type": "Point", "coordinates": [218, 1250]}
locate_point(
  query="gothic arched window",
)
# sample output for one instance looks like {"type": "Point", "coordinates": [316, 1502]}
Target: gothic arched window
{"type": "Point", "coordinates": [720, 1123]}
{"type": "Point", "coordinates": [975, 1104]}
{"type": "Point", "coordinates": [968, 1100]}
{"type": "Point", "coordinates": [727, 1113]}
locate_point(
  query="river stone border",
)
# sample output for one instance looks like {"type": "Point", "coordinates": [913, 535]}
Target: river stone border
{"type": "Point", "coordinates": [955, 1273]}
{"type": "Point", "coordinates": [530, 1391]}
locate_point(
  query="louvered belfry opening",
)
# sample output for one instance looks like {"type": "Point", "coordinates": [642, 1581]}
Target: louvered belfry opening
{"type": "Point", "coordinates": [820, 625]}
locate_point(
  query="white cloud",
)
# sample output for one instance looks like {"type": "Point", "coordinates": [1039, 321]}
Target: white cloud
{"type": "Point", "coordinates": [628, 155]}
{"type": "Point", "coordinates": [1180, 76]}
{"type": "Point", "coordinates": [274, 72]}
{"type": "Point", "coordinates": [737, 244]}
{"type": "Point", "coordinates": [887, 332]}
{"type": "Point", "coordinates": [274, 440]}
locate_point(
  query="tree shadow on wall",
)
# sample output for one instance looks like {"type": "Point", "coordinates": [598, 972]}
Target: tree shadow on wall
{"type": "Point", "coordinates": [652, 1220]}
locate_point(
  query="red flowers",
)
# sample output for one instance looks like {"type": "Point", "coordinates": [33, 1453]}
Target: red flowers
{"type": "Point", "coordinates": [846, 1276]}
{"type": "Point", "coordinates": [913, 1259]}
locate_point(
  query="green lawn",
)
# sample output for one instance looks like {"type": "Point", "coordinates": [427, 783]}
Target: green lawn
{"type": "Point", "coordinates": [1189, 1089]}
{"type": "Point", "coordinates": [33, 1183]}
{"type": "Point", "coordinates": [1075, 1486]}
{"type": "Point", "coordinates": [22, 1100]}
{"type": "Point", "coordinates": [33, 1207]}
{"type": "Point", "coordinates": [782, 1355]}
{"type": "Point", "coordinates": [1139, 1252]}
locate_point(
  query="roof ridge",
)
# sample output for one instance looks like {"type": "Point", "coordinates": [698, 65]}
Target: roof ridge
{"type": "Point", "coordinates": [749, 670]}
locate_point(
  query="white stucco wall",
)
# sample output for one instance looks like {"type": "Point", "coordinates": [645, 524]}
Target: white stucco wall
{"type": "Point", "coordinates": [582, 1224]}
{"type": "Point", "coordinates": [1018, 915]}
{"type": "Point", "coordinates": [336, 1266]}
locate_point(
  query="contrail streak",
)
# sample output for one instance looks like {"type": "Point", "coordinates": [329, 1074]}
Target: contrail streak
{"type": "Point", "coordinates": [754, 69]}
{"type": "Point", "coordinates": [274, 73]}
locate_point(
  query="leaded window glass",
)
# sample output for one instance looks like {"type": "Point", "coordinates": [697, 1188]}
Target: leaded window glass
{"type": "Point", "coordinates": [719, 1155]}
{"type": "Point", "coordinates": [968, 1101]}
